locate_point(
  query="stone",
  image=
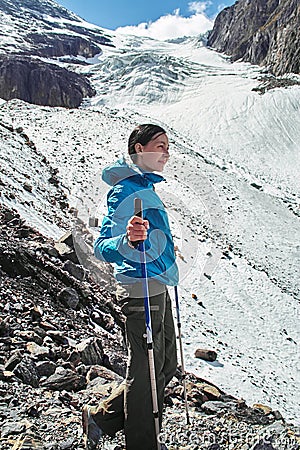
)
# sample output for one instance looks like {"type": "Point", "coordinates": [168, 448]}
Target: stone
{"type": "Point", "coordinates": [75, 270]}
{"type": "Point", "coordinates": [37, 351]}
{"type": "Point", "coordinates": [26, 371]}
{"type": "Point", "coordinates": [45, 368]}
{"type": "Point", "coordinates": [27, 187]}
{"type": "Point", "coordinates": [90, 351]}
{"type": "Point", "coordinates": [215, 407]}
{"type": "Point", "coordinates": [64, 379]}
{"type": "Point", "coordinates": [206, 355]}
{"type": "Point", "coordinates": [265, 409]}
{"type": "Point", "coordinates": [210, 391]}
{"type": "Point", "coordinates": [105, 374]}
{"type": "Point", "coordinates": [11, 428]}
{"type": "Point", "coordinates": [13, 361]}
{"type": "Point", "coordinates": [58, 337]}
{"type": "Point", "coordinates": [69, 297]}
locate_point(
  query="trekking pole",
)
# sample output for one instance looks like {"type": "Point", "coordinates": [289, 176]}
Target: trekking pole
{"type": "Point", "coordinates": [181, 355]}
{"type": "Point", "coordinates": [141, 247]}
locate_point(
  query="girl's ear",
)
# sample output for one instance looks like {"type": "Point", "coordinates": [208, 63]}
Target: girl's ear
{"type": "Point", "coordinates": [138, 148]}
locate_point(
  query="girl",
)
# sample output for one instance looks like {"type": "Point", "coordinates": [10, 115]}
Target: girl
{"type": "Point", "coordinates": [129, 407]}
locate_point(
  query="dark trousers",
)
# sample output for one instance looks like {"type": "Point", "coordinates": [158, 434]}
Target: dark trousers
{"type": "Point", "coordinates": [129, 406]}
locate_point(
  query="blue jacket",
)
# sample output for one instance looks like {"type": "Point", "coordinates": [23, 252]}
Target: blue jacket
{"type": "Point", "coordinates": [129, 182]}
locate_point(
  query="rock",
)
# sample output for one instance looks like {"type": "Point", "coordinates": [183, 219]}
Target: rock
{"type": "Point", "coordinates": [36, 81]}
{"type": "Point", "coordinates": [36, 313]}
{"type": "Point", "coordinates": [103, 320]}
{"type": "Point", "coordinates": [211, 392]}
{"type": "Point", "coordinates": [29, 335]}
{"type": "Point", "coordinates": [26, 371]}
{"type": "Point", "coordinates": [12, 428]}
{"type": "Point", "coordinates": [67, 239]}
{"type": "Point", "coordinates": [69, 297]}
{"type": "Point", "coordinates": [75, 270]}
{"type": "Point", "coordinates": [13, 361]}
{"type": "Point", "coordinates": [256, 186]}
{"type": "Point", "coordinates": [45, 368]}
{"type": "Point", "coordinates": [4, 326]}
{"type": "Point", "coordinates": [206, 355]}
{"type": "Point", "coordinates": [66, 252]}
{"type": "Point", "coordinates": [262, 445]}
{"type": "Point", "coordinates": [102, 372]}
{"type": "Point", "coordinates": [265, 409]}
{"type": "Point", "coordinates": [261, 32]}
{"type": "Point", "coordinates": [90, 351]}
{"type": "Point", "coordinates": [64, 379]}
{"type": "Point", "coordinates": [212, 407]}
{"type": "Point", "coordinates": [37, 351]}
{"type": "Point", "coordinates": [58, 336]}
{"type": "Point", "coordinates": [26, 186]}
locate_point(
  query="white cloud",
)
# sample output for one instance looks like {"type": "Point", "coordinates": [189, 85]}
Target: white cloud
{"type": "Point", "coordinates": [199, 7]}
{"type": "Point", "coordinates": [173, 25]}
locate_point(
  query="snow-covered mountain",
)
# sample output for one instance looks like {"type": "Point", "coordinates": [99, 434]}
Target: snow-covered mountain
{"type": "Point", "coordinates": [44, 28]}
{"type": "Point", "coordinates": [232, 193]}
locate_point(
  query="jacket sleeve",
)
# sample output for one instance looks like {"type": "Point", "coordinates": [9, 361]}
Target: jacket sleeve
{"type": "Point", "coordinates": [111, 245]}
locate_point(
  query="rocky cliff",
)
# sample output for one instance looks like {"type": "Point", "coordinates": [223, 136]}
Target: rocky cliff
{"type": "Point", "coordinates": [35, 81]}
{"type": "Point", "coordinates": [264, 32]}
{"type": "Point", "coordinates": [43, 29]}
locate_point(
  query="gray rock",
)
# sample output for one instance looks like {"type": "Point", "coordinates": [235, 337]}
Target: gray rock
{"type": "Point", "coordinates": [26, 371]}
{"type": "Point", "coordinates": [35, 81]}
{"type": "Point", "coordinates": [11, 428]}
{"type": "Point", "coordinates": [45, 368]}
{"type": "Point", "coordinates": [13, 361]}
{"type": "Point", "coordinates": [69, 297]}
{"type": "Point", "coordinates": [215, 407]}
{"type": "Point", "coordinates": [262, 32]}
{"type": "Point", "coordinates": [90, 351]}
{"type": "Point", "coordinates": [37, 351]}
{"type": "Point", "coordinates": [75, 270]}
{"type": "Point", "coordinates": [64, 379]}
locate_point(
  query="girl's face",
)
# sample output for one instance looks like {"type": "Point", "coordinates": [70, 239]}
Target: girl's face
{"type": "Point", "coordinates": [153, 156]}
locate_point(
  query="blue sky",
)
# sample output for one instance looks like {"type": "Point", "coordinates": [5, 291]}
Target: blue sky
{"type": "Point", "coordinates": [155, 18]}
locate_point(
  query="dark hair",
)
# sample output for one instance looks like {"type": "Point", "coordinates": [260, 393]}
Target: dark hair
{"type": "Point", "coordinates": [143, 134]}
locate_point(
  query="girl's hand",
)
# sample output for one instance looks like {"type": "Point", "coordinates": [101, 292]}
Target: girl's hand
{"type": "Point", "coordinates": [137, 229]}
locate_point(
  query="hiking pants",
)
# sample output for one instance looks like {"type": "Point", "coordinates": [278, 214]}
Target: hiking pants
{"type": "Point", "coordinates": [129, 406]}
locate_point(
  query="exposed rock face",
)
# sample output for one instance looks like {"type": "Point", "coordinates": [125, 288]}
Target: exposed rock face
{"type": "Point", "coordinates": [42, 28]}
{"type": "Point", "coordinates": [264, 32]}
{"type": "Point", "coordinates": [37, 82]}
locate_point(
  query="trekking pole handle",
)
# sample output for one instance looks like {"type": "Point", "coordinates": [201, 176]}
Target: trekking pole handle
{"type": "Point", "coordinates": [138, 207]}
{"type": "Point", "coordinates": [138, 211]}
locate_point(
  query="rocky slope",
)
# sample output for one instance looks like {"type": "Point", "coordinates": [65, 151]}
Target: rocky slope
{"type": "Point", "coordinates": [61, 346]}
{"type": "Point", "coordinates": [264, 32]}
{"type": "Point", "coordinates": [34, 29]}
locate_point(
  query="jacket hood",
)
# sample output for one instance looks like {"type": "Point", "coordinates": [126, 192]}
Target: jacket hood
{"type": "Point", "coordinates": [121, 170]}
